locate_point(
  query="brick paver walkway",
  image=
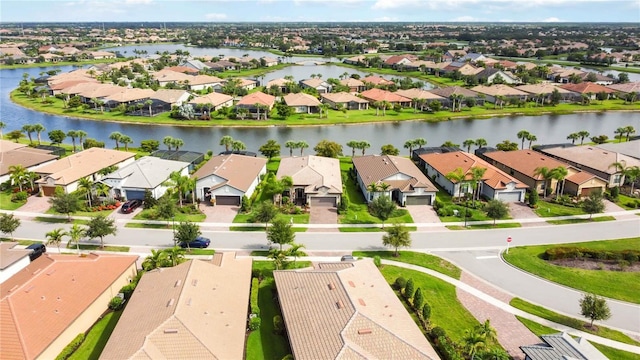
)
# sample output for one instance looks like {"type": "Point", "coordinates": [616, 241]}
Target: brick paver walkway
{"type": "Point", "coordinates": [511, 333]}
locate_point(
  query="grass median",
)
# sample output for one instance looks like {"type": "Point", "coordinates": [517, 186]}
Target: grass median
{"type": "Point", "coordinates": [416, 258]}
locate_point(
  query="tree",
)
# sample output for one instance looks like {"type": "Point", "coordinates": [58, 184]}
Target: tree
{"type": "Point", "coordinates": [418, 299]}
{"type": "Point", "coordinates": [175, 255]}
{"type": "Point", "coordinates": [409, 289]}
{"type": "Point", "coordinates": [328, 148]}
{"type": "Point", "coordinates": [583, 134]}
{"type": "Point", "coordinates": [486, 331]}
{"type": "Point", "coordinates": [2, 126]}
{"type": "Point", "coordinates": [149, 145]}
{"type": "Point", "coordinates": [57, 136]}
{"type": "Point", "coordinates": [186, 232]}
{"type": "Point", "coordinates": [593, 204]}
{"type": "Point", "coordinates": [619, 133]}
{"type": "Point", "coordinates": [75, 233]}
{"type": "Point", "coordinates": [54, 237]}
{"type": "Point", "coordinates": [480, 142]}
{"type": "Point", "coordinates": [15, 135]}
{"type": "Point", "coordinates": [73, 134]}
{"type": "Point", "coordinates": [291, 145]}
{"type": "Point", "coordinates": [573, 137]}
{"type": "Point", "coordinates": [176, 143]}
{"type": "Point", "coordinates": [28, 129]}
{"type": "Point", "coordinates": [531, 138]}
{"type": "Point", "coordinates": [473, 342]}
{"type": "Point", "coordinates": [397, 236]}
{"type": "Point", "coordinates": [303, 145]}
{"type": "Point", "coordinates": [522, 135]}
{"type": "Point", "coordinates": [157, 259]}
{"type": "Point", "coordinates": [477, 173]}
{"type": "Point", "coordinates": [382, 207]}
{"type": "Point", "coordinates": [116, 136]}
{"type": "Point", "coordinates": [39, 128]}
{"type": "Point", "coordinates": [270, 149]}
{"type": "Point", "coordinates": [496, 209]}
{"type": "Point", "coordinates": [86, 184]}
{"type": "Point", "coordinates": [468, 143]}
{"type": "Point", "coordinates": [594, 308]}
{"type": "Point", "coordinates": [629, 130]}
{"type": "Point", "coordinates": [8, 224]}
{"type": "Point", "coordinates": [168, 141]}
{"type": "Point", "coordinates": [279, 258]}
{"type": "Point", "coordinates": [623, 77]}
{"type": "Point", "coordinates": [64, 203]}
{"type": "Point", "coordinates": [560, 173]}
{"type": "Point", "coordinates": [18, 174]}
{"type": "Point", "coordinates": [409, 144]}
{"type": "Point", "coordinates": [264, 212]}
{"type": "Point", "coordinates": [507, 146]}
{"type": "Point", "coordinates": [389, 149]}
{"type": "Point", "coordinates": [283, 110]}
{"type": "Point", "coordinates": [99, 227]}
{"type": "Point", "coordinates": [295, 251]}
{"type": "Point", "coordinates": [280, 232]}
{"type": "Point", "coordinates": [166, 208]}
{"type": "Point", "coordinates": [457, 176]}
{"type": "Point", "coordinates": [178, 183]}
{"type": "Point", "coordinates": [363, 145]}
{"type": "Point", "coordinates": [81, 136]}
{"type": "Point", "coordinates": [126, 140]}
{"type": "Point", "coordinates": [353, 144]}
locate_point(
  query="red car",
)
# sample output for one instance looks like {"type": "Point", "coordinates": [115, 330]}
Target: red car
{"type": "Point", "coordinates": [130, 205]}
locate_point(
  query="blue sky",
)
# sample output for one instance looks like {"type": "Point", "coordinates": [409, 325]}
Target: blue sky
{"type": "Point", "coordinates": [320, 10]}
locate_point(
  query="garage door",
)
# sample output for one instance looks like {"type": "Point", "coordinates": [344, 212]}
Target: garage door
{"type": "Point", "coordinates": [509, 196]}
{"type": "Point", "coordinates": [323, 201]}
{"type": "Point", "coordinates": [48, 190]}
{"type": "Point", "coordinates": [135, 194]}
{"type": "Point", "coordinates": [418, 200]}
{"type": "Point", "coordinates": [588, 191]}
{"type": "Point", "coordinates": [227, 200]}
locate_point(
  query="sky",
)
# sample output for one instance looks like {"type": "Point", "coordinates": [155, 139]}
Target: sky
{"type": "Point", "coordinates": [588, 11]}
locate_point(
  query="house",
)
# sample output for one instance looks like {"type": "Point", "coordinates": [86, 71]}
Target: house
{"type": "Point", "coordinates": [563, 75]}
{"type": "Point", "coordinates": [56, 297]}
{"type": "Point", "coordinates": [281, 84]}
{"type": "Point", "coordinates": [374, 80]}
{"type": "Point", "coordinates": [225, 179]}
{"type": "Point", "coordinates": [12, 154]}
{"type": "Point", "coordinates": [12, 259]}
{"type": "Point", "coordinates": [221, 65]}
{"type": "Point", "coordinates": [302, 103]}
{"type": "Point", "coordinates": [494, 184]}
{"type": "Point", "coordinates": [191, 157]}
{"type": "Point", "coordinates": [599, 78]}
{"type": "Point", "coordinates": [493, 92]}
{"type": "Point", "coordinates": [99, 55]}
{"type": "Point", "coordinates": [247, 84]}
{"type": "Point", "coordinates": [197, 309]}
{"type": "Point", "coordinates": [522, 165]}
{"type": "Point", "coordinates": [88, 91]}
{"type": "Point", "coordinates": [345, 100]}
{"type": "Point", "coordinates": [562, 346]}
{"type": "Point", "coordinates": [268, 61]}
{"type": "Point", "coordinates": [629, 148]}
{"type": "Point", "coordinates": [201, 82]}
{"type": "Point", "coordinates": [397, 61]}
{"type": "Point", "coordinates": [589, 89]}
{"type": "Point", "coordinates": [491, 75]}
{"type": "Point", "coordinates": [164, 77]}
{"type": "Point", "coordinates": [195, 64]}
{"type": "Point", "coordinates": [422, 96]}
{"type": "Point", "coordinates": [379, 95]}
{"type": "Point", "coordinates": [447, 92]}
{"type": "Point", "coordinates": [165, 99]}
{"type": "Point", "coordinates": [145, 174]}
{"type": "Point", "coordinates": [213, 100]}
{"type": "Point", "coordinates": [421, 65]}
{"type": "Point", "coordinates": [320, 85]}
{"type": "Point", "coordinates": [452, 55]}
{"type": "Point", "coordinates": [128, 96]}
{"type": "Point", "coordinates": [472, 58]}
{"type": "Point", "coordinates": [254, 101]}
{"type": "Point", "coordinates": [627, 88]}
{"type": "Point", "coordinates": [354, 85]}
{"type": "Point", "coordinates": [544, 90]}
{"type": "Point", "coordinates": [316, 179]}
{"type": "Point", "coordinates": [66, 172]}
{"type": "Point", "coordinates": [464, 68]}
{"type": "Point", "coordinates": [407, 185]}
{"type": "Point", "coordinates": [594, 160]}
{"type": "Point", "coordinates": [347, 310]}
{"type": "Point", "coordinates": [182, 69]}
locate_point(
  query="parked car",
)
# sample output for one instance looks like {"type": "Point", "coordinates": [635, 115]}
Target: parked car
{"type": "Point", "coordinates": [38, 249]}
{"type": "Point", "coordinates": [199, 242]}
{"type": "Point", "coordinates": [347, 258]}
{"type": "Point", "coordinates": [130, 205]}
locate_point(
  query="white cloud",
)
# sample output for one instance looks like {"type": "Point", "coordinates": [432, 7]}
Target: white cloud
{"type": "Point", "coordinates": [465, 19]}
{"type": "Point", "coordinates": [474, 4]}
{"type": "Point", "coordinates": [136, 2]}
{"type": "Point", "coordinates": [552, 19]}
{"type": "Point", "coordinates": [215, 16]}
{"type": "Point", "coordinates": [386, 19]}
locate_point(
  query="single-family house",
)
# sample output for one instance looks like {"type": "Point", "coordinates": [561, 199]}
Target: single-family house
{"type": "Point", "coordinates": [166, 99]}
{"type": "Point", "coordinates": [374, 80]}
{"type": "Point", "coordinates": [627, 88]}
{"type": "Point", "coordinates": [562, 346]}
{"type": "Point", "coordinates": [420, 98]}
{"type": "Point", "coordinates": [494, 184]}
{"type": "Point", "coordinates": [629, 148]}
{"type": "Point", "coordinates": [379, 95]}
{"type": "Point", "coordinates": [56, 297]}
{"type": "Point", "coordinates": [347, 310]}
{"type": "Point", "coordinates": [405, 183]}
{"type": "Point", "coordinates": [524, 165]}
{"type": "Point", "coordinates": [128, 96]}
{"type": "Point", "coordinates": [591, 90]}
{"type": "Point", "coordinates": [398, 61]}
{"type": "Point", "coordinates": [225, 179]}
{"type": "Point", "coordinates": [12, 259]}
{"type": "Point", "coordinates": [465, 69]}
{"type": "Point", "coordinates": [183, 69]}
{"type": "Point", "coordinates": [164, 77]}
{"type": "Point", "coordinates": [14, 154]}
{"type": "Point", "coordinates": [356, 60]}
{"type": "Point", "coordinates": [354, 85]}
{"type": "Point", "coordinates": [280, 83]}
{"type": "Point", "coordinates": [494, 92]}
{"type": "Point", "coordinates": [212, 101]}
{"type": "Point", "coordinates": [268, 61]}
{"type": "Point", "coordinates": [201, 82]}
{"type": "Point", "coordinates": [247, 84]}
{"type": "Point", "coordinates": [197, 310]}
{"type": "Point", "coordinates": [472, 58]}
{"type": "Point", "coordinates": [148, 173]}
{"type": "Point", "coordinates": [563, 75]}
{"type": "Point", "coordinates": [66, 172]}
{"type": "Point", "coordinates": [251, 101]}
{"type": "Point", "coordinates": [302, 103]}
{"type": "Point", "coordinates": [544, 91]}
{"type": "Point", "coordinates": [221, 65]}
{"type": "Point", "coordinates": [599, 78]}
{"type": "Point", "coordinates": [491, 75]}
{"type": "Point", "coordinates": [100, 55]}
{"type": "Point", "coordinates": [452, 55]}
{"type": "Point", "coordinates": [447, 92]}
{"type": "Point", "coordinates": [320, 85]}
{"type": "Point", "coordinates": [345, 100]}
{"type": "Point", "coordinates": [594, 160]}
{"type": "Point", "coordinates": [425, 66]}
{"type": "Point", "coordinates": [316, 179]}
{"type": "Point", "coordinates": [195, 64]}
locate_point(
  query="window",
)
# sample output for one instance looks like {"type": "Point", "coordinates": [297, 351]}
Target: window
{"type": "Point", "coordinates": [617, 178]}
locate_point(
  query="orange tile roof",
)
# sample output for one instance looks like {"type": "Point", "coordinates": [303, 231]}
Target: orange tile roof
{"type": "Point", "coordinates": [42, 300]}
{"type": "Point", "coordinates": [383, 95]}
{"type": "Point", "coordinates": [301, 99]}
{"type": "Point", "coordinates": [376, 168]}
{"type": "Point", "coordinates": [257, 97]}
{"type": "Point", "coordinates": [525, 161]}
{"type": "Point", "coordinates": [586, 87]}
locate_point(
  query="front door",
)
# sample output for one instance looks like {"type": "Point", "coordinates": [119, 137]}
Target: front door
{"type": "Point", "coordinates": [300, 198]}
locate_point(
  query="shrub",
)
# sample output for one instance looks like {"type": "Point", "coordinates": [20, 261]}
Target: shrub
{"type": "Point", "coordinates": [90, 143]}
{"type": "Point", "coordinates": [623, 264]}
{"type": "Point", "coordinates": [533, 198]}
{"type": "Point", "coordinates": [150, 145]}
{"type": "Point", "coordinates": [426, 312]}
{"type": "Point", "coordinates": [116, 303]}
{"type": "Point", "coordinates": [630, 257]}
{"type": "Point", "coordinates": [343, 206]}
{"type": "Point", "coordinates": [128, 289]}
{"type": "Point", "coordinates": [614, 192]}
{"type": "Point", "coordinates": [256, 273]}
{"type": "Point", "coordinates": [246, 204]}
{"type": "Point", "coordinates": [71, 348]}
{"type": "Point", "coordinates": [400, 283]}
{"type": "Point", "coordinates": [409, 290]}
{"type": "Point", "coordinates": [19, 196]}
{"type": "Point", "coordinates": [149, 201]}
{"type": "Point", "coordinates": [255, 309]}
{"type": "Point", "coordinates": [418, 300]}
{"type": "Point", "coordinates": [278, 325]}
{"type": "Point", "coordinates": [254, 323]}
{"type": "Point", "coordinates": [437, 332]}
{"type": "Point", "coordinates": [376, 261]}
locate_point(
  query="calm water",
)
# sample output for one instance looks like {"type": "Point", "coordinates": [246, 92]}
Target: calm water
{"type": "Point", "coordinates": [548, 129]}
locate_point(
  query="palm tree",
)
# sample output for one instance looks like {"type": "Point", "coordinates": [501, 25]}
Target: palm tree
{"type": "Point", "coordinates": [31, 176]}
{"type": "Point", "coordinates": [619, 133]}
{"type": "Point", "coordinates": [73, 134]}
{"type": "Point", "coordinates": [126, 140]}
{"type": "Point", "coordinates": [157, 259]}
{"type": "Point", "coordinates": [149, 103]}
{"type": "Point", "coordinates": [476, 177]}
{"type": "Point", "coordinates": [116, 136]}
{"type": "Point", "coordinates": [420, 142]}
{"type": "Point", "coordinates": [168, 141]}
{"type": "Point", "coordinates": [531, 138]}
{"type": "Point", "coordinates": [409, 145]}
{"type": "Point", "coordinates": [175, 255]}
{"type": "Point", "coordinates": [291, 145]}
{"type": "Point", "coordinates": [523, 134]}
{"type": "Point", "coordinates": [632, 174]}
{"type": "Point", "coordinates": [547, 175]}
{"type": "Point", "coordinates": [373, 189]}
{"type": "Point", "coordinates": [363, 145]}
{"type": "Point", "coordinates": [81, 134]}
{"type": "Point", "coordinates": [177, 143]}
{"type": "Point", "coordinates": [102, 189]}
{"type": "Point", "coordinates": [480, 142]}
{"type": "Point", "coordinates": [28, 129]}
{"type": "Point", "coordinates": [560, 173]}
{"type": "Point", "coordinates": [227, 141]}
{"type": "Point", "coordinates": [38, 128]}
{"type": "Point", "coordinates": [87, 185]}
{"type": "Point", "coordinates": [18, 173]}
{"type": "Point", "coordinates": [238, 145]}
{"type": "Point", "coordinates": [2, 126]}
{"type": "Point", "coordinates": [377, 105]}
{"type": "Point", "coordinates": [473, 342]}
{"type": "Point", "coordinates": [353, 144]}
{"type": "Point", "coordinates": [302, 145]}
{"type": "Point", "coordinates": [583, 134]}
{"type": "Point", "coordinates": [178, 183]}
{"type": "Point", "coordinates": [75, 234]}
{"type": "Point", "coordinates": [468, 143]}
{"type": "Point", "coordinates": [324, 109]}
{"type": "Point", "coordinates": [629, 173]}
{"type": "Point", "coordinates": [629, 130]}
{"type": "Point", "coordinates": [573, 137]}
{"type": "Point", "coordinates": [457, 176]}
{"type": "Point", "coordinates": [54, 237]}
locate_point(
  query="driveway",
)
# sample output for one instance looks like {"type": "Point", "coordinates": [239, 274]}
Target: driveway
{"type": "Point", "coordinates": [323, 214]}
{"type": "Point", "coordinates": [424, 214]}
{"type": "Point", "coordinates": [223, 214]}
{"type": "Point", "coordinates": [36, 204]}
{"type": "Point", "coordinates": [118, 215]}
{"type": "Point", "coordinates": [519, 210]}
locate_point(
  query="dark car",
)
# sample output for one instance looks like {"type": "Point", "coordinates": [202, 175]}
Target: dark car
{"type": "Point", "coordinates": [347, 258]}
{"type": "Point", "coordinates": [199, 242]}
{"type": "Point", "coordinates": [38, 249]}
{"type": "Point", "coordinates": [130, 205]}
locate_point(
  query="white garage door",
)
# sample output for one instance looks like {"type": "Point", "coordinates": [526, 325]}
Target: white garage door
{"type": "Point", "coordinates": [509, 196]}
{"type": "Point", "coordinates": [323, 201]}
{"type": "Point", "coordinates": [418, 200]}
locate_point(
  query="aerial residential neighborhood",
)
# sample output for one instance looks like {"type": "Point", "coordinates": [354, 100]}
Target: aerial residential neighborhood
{"type": "Point", "coordinates": [304, 180]}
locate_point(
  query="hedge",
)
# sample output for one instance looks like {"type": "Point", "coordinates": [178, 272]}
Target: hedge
{"type": "Point", "coordinates": [564, 252]}
{"type": "Point", "coordinates": [71, 348]}
{"type": "Point", "coordinates": [255, 309]}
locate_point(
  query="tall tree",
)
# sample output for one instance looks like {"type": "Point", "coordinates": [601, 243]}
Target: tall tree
{"type": "Point", "coordinates": [328, 148]}
{"type": "Point", "coordinates": [64, 203]}
{"type": "Point", "coordinates": [382, 207]}
{"type": "Point", "coordinates": [8, 224]}
{"type": "Point", "coordinates": [396, 236]}
{"type": "Point", "coordinates": [593, 204]}
{"type": "Point", "coordinates": [477, 173]}
{"type": "Point", "coordinates": [17, 175]}
{"type": "Point", "coordinates": [619, 133]}
{"type": "Point", "coordinates": [280, 232]}
{"type": "Point", "coordinates": [99, 227]}
{"type": "Point", "coordinates": [54, 237]}
{"type": "Point", "coordinates": [522, 135]}
{"type": "Point", "coordinates": [116, 136]}
{"type": "Point", "coordinates": [186, 232]}
{"type": "Point", "coordinates": [270, 149]}
{"type": "Point", "coordinates": [302, 145]}
{"type": "Point", "coordinates": [573, 137]}
{"type": "Point", "coordinates": [363, 145]}
{"type": "Point", "coordinates": [560, 173]}
{"type": "Point", "coordinates": [480, 142]}
{"type": "Point", "coordinates": [126, 140]}
{"type": "Point", "coordinates": [178, 183]}
{"type": "Point", "coordinates": [457, 177]}
{"type": "Point", "coordinates": [583, 134]}
{"type": "Point", "coordinates": [290, 144]}
{"type": "Point", "coordinates": [73, 134]}
{"type": "Point", "coordinates": [468, 144]}
{"type": "Point", "coordinates": [177, 143]}
{"type": "Point", "coordinates": [86, 184]}
{"type": "Point", "coordinates": [168, 141]}
{"type": "Point", "coordinates": [547, 174]}
{"type": "Point", "coordinates": [39, 128]}
{"type": "Point", "coordinates": [238, 145]}
{"type": "Point", "coordinates": [28, 129]}
{"type": "Point", "coordinates": [409, 144]}
{"type": "Point", "coordinates": [264, 212]}
{"type": "Point", "coordinates": [594, 308]}
{"type": "Point", "coordinates": [531, 138]}
{"type": "Point", "coordinates": [81, 136]}
{"type": "Point", "coordinates": [353, 144]}
{"type": "Point", "coordinates": [629, 130]}
{"type": "Point", "coordinates": [75, 233]}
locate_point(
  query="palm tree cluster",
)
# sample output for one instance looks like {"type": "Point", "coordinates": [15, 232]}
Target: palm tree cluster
{"type": "Point", "coordinates": [172, 143]}
{"type": "Point", "coordinates": [359, 145]}
{"type": "Point", "coordinates": [291, 145]}
{"type": "Point", "coordinates": [164, 258]}
{"type": "Point", "coordinates": [524, 135]}
{"type": "Point", "coordinates": [229, 143]}
{"type": "Point", "coordinates": [21, 176]}
{"type": "Point", "coordinates": [120, 138]}
{"type": "Point", "coordinates": [629, 174]}
{"type": "Point", "coordinates": [559, 174]}
{"type": "Point", "coordinates": [413, 143]}
{"type": "Point", "coordinates": [181, 185]}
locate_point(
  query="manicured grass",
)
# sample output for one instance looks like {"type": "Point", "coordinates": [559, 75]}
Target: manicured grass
{"type": "Point", "coordinates": [358, 229]}
{"type": "Point", "coordinates": [97, 337]}
{"type": "Point", "coordinates": [549, 209]}
{"type": "Point", "coordinates": [581, 221]}
{"type": "Point", "coordinates": [416, 258]}
{"type": "Point", "coordinates": [609, 352]}
{"type": "Point", "coordinates": [614, 284]}
{"type": "Point", "coordinates": [446, 311]}
{"type": "Point", "coordinates": [147, 226]}
{"type": "Point", "coordinates": [106, 248]}
{"type": "Point", "coordinates": [60, 220]}
{"type": "Point", "coordinates": [274, 163]}
{"type": "Point", "coordinates": [199, 252]}
{"type": "Point", "coordinates": [578, 324]}
{"type": "Point", "coordinates": [7, 204]}
{"type": "Point", "coordinates": [261, 228]}
{"type": "Point", "coordinates": [484, 226]}
{"type": "Point", "coordinates": [297, 218]}
{"type": "Point", "coordinates": [81, 213]}
{"type": "Point", "coordinates": [627, 202]}
{"type": "Point", "coordinates": [259, 253]}
{"type": "Point", "coordinates": [180, 217]}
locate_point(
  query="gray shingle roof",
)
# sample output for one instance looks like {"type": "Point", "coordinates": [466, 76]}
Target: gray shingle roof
{"type": "Point", "coordinates": [147, 172]}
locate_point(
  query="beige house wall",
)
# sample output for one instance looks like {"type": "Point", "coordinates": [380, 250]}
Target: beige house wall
{"type": "Point", "coordinates": [89, 316]}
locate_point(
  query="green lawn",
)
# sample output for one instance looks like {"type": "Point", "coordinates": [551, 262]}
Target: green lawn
{"type": "Point", "coordinates": [609, 352]}
{"type": "Point", "coordinates": [146, 214]}
{"type": "Point", "coordinates": [97, 337]}
{"type": "Point", "coordinates": [548, 209]}
{"type": "Point", "coordinates": [147, 226]}
{"type": "Point", "coordinates": [614, 284]}
{"type": "Point", "coordinates": [581, 221]}
{"type": "Point", "coordinates": [446, 199]}
{"type": "Point", "coordinates": [297, 218]}
{"type": "Point", "coordinates": [261, 228]}
{"type": "Point", "coordinates": [106, 248]}
{"type": "Point", "coordinates": [81, 213]}
{"type": "Point", "coordinates": [359, 229]}
{"type": "Point", "coordinates": [416, 258]}
{"type": "Point", "coordinates": [578, 324]}
{"type": "Point", "coordinates": [7, 204]}
{"type": "Point", "coordinates": [484, 226]}
{"type": "Point", "coordinates": [199, 252]}
{"type": "Point", "coordinates": [627, 202]}
{"type": "Point", "coordinates": [446, 311]}
{"type": "Point", "coordinates": [60, 220]}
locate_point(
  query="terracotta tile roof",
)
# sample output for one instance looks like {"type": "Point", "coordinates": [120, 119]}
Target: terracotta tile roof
{"type": "Point", "coordinates": [626, 88]}
{"type": "Point", "coordinates": [128, 95]}
{"type": "Point", "coordinates": [582, 177]}
{"type": "Point", "coordinates": [239, 171]}
{"type": "Point", "coordinates": [498, 90]}
{"type": "Point", "coordinates": [42, 300]}
{"type": "Point", "coordinates": [257, 97]}
{"type": "Point", "coordinates": [525, 161]}
{"type": "Point", "coordinates": [314, 172]}
{"type": "Point", "coordinates": [213, 98]}
{"type": "Point", "coordinates": [376, 168]}
{"type": "Point", "coordinates": [446, 163]}
{"type": "Point", "coordinates": [25, 156]}
{"type": "Point", "coordinates": [182, 69]}
{"type": "Point", "coordinates": [196, 310]}
{"type": "Point", "coordinates": [9, 255]}
{"type": "Point", "coordinates": [445, 92]}
{"type": "Point", "coordinates": [82, 164]}
{"type": "Point", "coordinates": [383, 95]}
{"type": "Point", "coordinates": [586, 87]}
{"type": "Point", "coordinates": [542, 88]}
{"type": "Point", "coordinates": [301, 99]}
{"type": "Point", "coordinates": [418, 94]}
{"type": "Point", "coordinates": [351, 82]}
{"type": "Point", "coordinates": [347, 313]}
{"type": "Point", "coordinates": [343, 97]}
{"type": "Point", "coordinates": [376, 80]}
{"type": "Point", "coordinates": [593, 157]}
